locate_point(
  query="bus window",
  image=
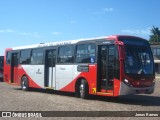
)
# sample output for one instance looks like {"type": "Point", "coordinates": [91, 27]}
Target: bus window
{"type": "Point", "coordinates": [1, 62]}
{"type": "Point", "coordinates": [37, 56]}
{"type": "Point", "coordinates": [25, 57]}
{"type": "Point", "coordinates": [8, 58]}
{"type": "Point", "coordinates": [85, 53]}
{"type": "Point", "coordinates": [1, 67]}
{"type": "Point", "coordinates": [65, 54]}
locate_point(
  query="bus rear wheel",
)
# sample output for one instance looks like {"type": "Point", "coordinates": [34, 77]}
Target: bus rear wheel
{"type": "Point", "coordinates": [24, 83]}
{"type": "Point", "coordinates": [83, 89]}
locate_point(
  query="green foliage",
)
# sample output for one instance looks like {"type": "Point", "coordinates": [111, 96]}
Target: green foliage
{"type": "Point", "coordinates": [155, 37]}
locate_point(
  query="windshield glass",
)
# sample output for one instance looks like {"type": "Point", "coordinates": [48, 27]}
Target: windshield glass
{"type": "Point", "coordinates": [138, 58]}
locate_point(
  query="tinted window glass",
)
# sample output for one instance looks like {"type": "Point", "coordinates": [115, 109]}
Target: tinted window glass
{"type": "Point", "coordinates": [85, 53]}
{"type": "Point", "coordinates": [8, 58]}
{"type": "Point", "coordinates": [65, 54]}
{"type": "Point", "coordinates": [1, 62]}
{"type": "Point", "coordinates": [25, 57]}
{"type": "Point", "coordinates": [138, 56]}
{"type": "Point", "coordinates": [51, 56]}
{"type": "Point", "coordinates": [37, 56]}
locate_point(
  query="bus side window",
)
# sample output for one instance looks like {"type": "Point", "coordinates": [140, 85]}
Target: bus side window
{"type": "Point", "coordinates": [85, 53]}
{"type": "Point", "coordinates": [25, 57]}
{"type": "Point", "coordinates": [66, 54]}
{"type": "Point", "coordinates": [37, 57]}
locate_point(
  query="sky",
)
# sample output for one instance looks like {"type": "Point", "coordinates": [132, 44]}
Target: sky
{"type": "Point", "coordinates": [27, 22]}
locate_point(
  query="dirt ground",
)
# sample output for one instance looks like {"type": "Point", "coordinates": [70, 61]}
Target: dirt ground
{"type": "Point", "coordinates": [12, 98]}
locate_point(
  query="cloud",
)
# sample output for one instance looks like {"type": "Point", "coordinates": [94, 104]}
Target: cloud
{"type": "Point", "coordinates": [104, 11]}
{"type": "Point", "coordinates": [8, 31]}
{"type": "Point", "coordinates": [137, 31]}
{"type": "Point", "coordinates": [35, 34]}
{"type": "Point", "coordinates": [57, 33]}
{"type": "Point", "coordinates": [72, 21]}
{"type": "Point", "coordinates": [108, 9]}
{"type": "Point", "coordinates": [2, 31]}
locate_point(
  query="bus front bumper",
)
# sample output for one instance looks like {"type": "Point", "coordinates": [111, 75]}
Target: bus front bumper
{"type": "Point", "coordinates": [125, 89]}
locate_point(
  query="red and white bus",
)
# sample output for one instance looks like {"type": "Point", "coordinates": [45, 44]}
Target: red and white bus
{"type": "Point", "coordinates": [107, 66]}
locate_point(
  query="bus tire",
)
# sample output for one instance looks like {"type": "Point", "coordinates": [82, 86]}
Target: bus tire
{"type": "Point", "coordinates": [77, 87]}
{"type": "Point", "coordinates": [24, 83]}
{"type": "Point", "coordinates": [83, 89]}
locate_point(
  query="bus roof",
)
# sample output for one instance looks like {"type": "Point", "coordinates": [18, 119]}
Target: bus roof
{"type": "Point", "coordinates": [112, 37]}
{"type": "Point", "coordinates": [58, 43]}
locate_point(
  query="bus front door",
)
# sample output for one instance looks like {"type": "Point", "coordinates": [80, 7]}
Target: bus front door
{"type": "Point", "coordinates": [49, 79]}
{"type": "Point", "coordinates": [14, 67]}
{"type": "Point", "coordinates": [106, 67]}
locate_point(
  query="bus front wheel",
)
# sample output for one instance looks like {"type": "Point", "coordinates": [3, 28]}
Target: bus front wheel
{"type": "Point", "coordinates": [83, 89]}
{"type": "Point", "coordinates": [24, 83]}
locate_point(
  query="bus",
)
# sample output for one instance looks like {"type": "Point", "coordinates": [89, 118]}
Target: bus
{"type": "Point", "coordinates": [107, 66]}
{"type": "Point", "coordinates": [1, 67]}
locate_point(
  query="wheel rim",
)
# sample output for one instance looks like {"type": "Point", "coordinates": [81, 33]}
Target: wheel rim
{"type": "Point", "coordinates": [24, 84]}
{"type": "Point", "coordinates": [81, 90]}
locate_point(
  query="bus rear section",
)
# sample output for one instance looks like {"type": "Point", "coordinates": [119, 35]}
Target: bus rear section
{"type": "Point", "coordinates": [1, 67]}
{"type": "Point", "coordinates": [108, 66]}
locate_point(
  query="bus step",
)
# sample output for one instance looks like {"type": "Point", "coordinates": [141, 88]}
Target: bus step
{"type": "Point", "coordinates": [102, 93]}
{"type": "Point", "coordinates": [49, 88]}
{"type": "Point", "coordinates": [13, 83]}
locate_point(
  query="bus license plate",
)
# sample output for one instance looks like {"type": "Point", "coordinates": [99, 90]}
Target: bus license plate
{"type": "Point", "coordinates": [141, 91]}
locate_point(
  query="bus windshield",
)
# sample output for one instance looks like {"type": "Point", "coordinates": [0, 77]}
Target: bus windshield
{"type": "Point", "coordinates": [138, 60]}
{"type": "Point", "coordinates": [138, 57]}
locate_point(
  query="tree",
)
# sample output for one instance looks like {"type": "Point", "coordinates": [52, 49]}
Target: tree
{"type": "Point", "coordinates": [155, 37]}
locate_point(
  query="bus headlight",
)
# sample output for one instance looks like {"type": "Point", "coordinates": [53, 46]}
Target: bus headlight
{"type": "Point", "coordinates": [154, 81]}
{"type": "Point", "coordinates": [127, 82]}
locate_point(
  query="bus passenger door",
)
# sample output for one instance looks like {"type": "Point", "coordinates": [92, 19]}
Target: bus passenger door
{"type": "Point", "coordinates": [106, 68]}
{"type": "Point", "coordinates": [49, 79]}
{"type": "Point", "coordinates": [14, 67]}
